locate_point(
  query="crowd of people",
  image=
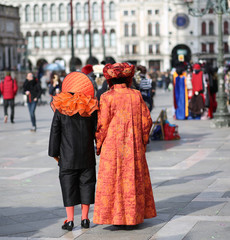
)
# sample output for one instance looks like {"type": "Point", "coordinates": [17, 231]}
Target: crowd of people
{"type": "Point", "coordinates": [195, 88]}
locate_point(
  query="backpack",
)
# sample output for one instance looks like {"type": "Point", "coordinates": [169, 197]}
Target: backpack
{"type": "Point", "coordinates": [146, 87]}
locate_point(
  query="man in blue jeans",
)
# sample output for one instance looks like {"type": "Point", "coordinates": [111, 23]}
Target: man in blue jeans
{"type": "Point", "coordinates": [33, 91]}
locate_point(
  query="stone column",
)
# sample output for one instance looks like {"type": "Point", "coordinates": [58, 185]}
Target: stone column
{"type": "Point", "coordinates": [6, 57]}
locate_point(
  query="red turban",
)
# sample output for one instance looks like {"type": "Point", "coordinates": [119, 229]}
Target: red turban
{"type": "Point", "coordinates": [119, 70]}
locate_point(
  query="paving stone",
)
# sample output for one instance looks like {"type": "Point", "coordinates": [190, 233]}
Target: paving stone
{"type": "Point", "coordinates": [202, 208]}
{"type": "Point", "coordinates": [225, 211]}
{"type": "Point", "coordinates": [15, 228]}
{"type": "Point", "coordinates": [209, 230]}
{"type": "Point", "coordinates": [6, 221]}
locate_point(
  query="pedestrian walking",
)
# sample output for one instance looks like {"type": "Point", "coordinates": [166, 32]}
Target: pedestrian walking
{"type": "Point", "coordinates": [71, 143]}
{"type": "Point", "coordinates": [124, 191]}
{"type": "Point", "coordinates": [32, 90]}
{"type": "Point", "coordinates": [146, 87]}
{"type": "Point", "coordinates": [8, 88]}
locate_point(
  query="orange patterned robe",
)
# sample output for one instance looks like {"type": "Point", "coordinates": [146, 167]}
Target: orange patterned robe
{"type": "Point", "coordinates": [124, 193]}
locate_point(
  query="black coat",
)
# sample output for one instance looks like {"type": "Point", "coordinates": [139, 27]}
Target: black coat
{"type": "Point", "coordinates": [102, 90]}
{"type": "Point", "coordinates": [72, 139]}
{"type": "Point", "coordinates": [34, 87]}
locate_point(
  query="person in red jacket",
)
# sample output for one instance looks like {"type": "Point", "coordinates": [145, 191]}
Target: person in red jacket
{"type": "Point", "coordinates": [8, 89]}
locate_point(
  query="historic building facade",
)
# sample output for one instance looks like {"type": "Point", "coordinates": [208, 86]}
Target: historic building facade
{"type": "Point", "coordinates": [10, 38]}
{"type": "Point", "coordinates": [150, 32]}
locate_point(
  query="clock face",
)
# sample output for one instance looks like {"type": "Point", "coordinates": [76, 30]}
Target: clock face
{"type": "Point", "coordinates": [181, 21]}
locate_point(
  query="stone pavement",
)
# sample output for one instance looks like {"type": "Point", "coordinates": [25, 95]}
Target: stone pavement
{"type": "Point", "coordinates": [190, 179]}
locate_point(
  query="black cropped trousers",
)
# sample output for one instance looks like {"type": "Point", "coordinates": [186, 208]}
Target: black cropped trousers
{"type": "Point", "coordinates": [78, 186]}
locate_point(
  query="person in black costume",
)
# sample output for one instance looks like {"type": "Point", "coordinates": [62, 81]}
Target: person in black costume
{"type": "Point", "coordinates": [71, 143]}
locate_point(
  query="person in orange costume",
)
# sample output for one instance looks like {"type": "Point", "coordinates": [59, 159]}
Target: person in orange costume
{"type": "Point", "coordinates": [124, 193]}
{"type": "Point", "coordinates": [71, 143]}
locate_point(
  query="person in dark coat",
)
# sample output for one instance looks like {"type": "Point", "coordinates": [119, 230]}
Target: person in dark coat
{"type": "Point", "coordinates": [88, 70]}
{"type": "Point", "coordinates": [8, 88]}
{"type": "Point", "coordinates": [55, 84]}
{"type": "Point", "coordinates": [146, 87]}
{"type": "Point", "coordinates": [102, 90]}
{"type": "Point", "coordinates": [33, 91]}
{"type": "Point", "coordinates": [71, 143]}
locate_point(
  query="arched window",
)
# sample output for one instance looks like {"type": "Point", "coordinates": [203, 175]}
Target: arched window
{"type": "Point", "coordinates": [226, 31]}
{"type": "Point", "coordinates": [203, 48]}
{"type": "Point", "coordinates": [54, 42]}
{"type": "Point", "coordinates": [62, 40]}
{"type": "Point", "coordinates": [211, 47]}
{"type": "Point", "coordinates": [150, 29]}
{"type": "Point", "coordinates": [112, 38]}
{"type": "Point", "coordinates": [211, 28]}
{"type": "Point", "coordinates": [111, 10]}
{"type": "Point", "coordinates": [37, 40]}
{"type": "Point", "coordinates": [157, 29]}
{"type": "Point", "coordinates": [150, 49]}
{"type": "Point", "coordinates": [126, 30]}
{"type": "Point", "coordinates": [226, 47]}
{"type": "Point", "coordinates": [133, 29]}
{"type": "Point", "coordinates": [44, 13]}
{"type": "Point", "coordinates": [68, 12]}
{"type": "Point", "coordinates": [36, 13]}
{"type": "Point", "coordinates": [29, 40]}
{"type": "Point", "coordinates": [27, 13]}
{"type": "Point", "coordinates": [96, 39]}
{"type": "Point", "coordinates": [53, 13]}
{"type": "Point", "coordinates": [79, 39]}
{"type": "Point", "coordinates": [95, 15]}
{"type": "Point", "coordinates": [158, 49]}
{"type": "Point", "coordinates": [45, 40]}
{"type": "Point", "coordinates": [86, 13]}
{"type": "Point", "coordinates": [78, 11]}
{"type": "Point", "coordinates": [61, 12]}
{"type": "Point", "coordinates": [69, 39]}
{"type": "Point", "coordinates": [86, 38]}
{"type": "Point", "coordinates": [203, 28]}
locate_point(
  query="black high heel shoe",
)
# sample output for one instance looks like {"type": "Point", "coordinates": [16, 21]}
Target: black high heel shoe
{"type": "Point", "coordinates": [68, 225]}
{"type": "Point", "coordinates": [85, 223]}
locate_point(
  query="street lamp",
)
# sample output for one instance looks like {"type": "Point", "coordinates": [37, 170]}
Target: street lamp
{"type": "Point", "coordinates": [103, 27]}
{"type": "Point", "coordinates": [72, 61]}
{"type": "Point", "coordinates": [89, 29]}
{"type": "Point", "coordinates": [219, 7]}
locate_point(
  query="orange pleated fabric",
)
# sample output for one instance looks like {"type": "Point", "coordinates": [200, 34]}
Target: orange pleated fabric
{"type": "Point", "coordinates": [69, 104]}
{"type": "Point", "coordinates": [124, 192]}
